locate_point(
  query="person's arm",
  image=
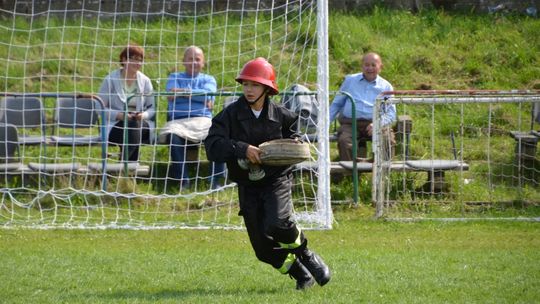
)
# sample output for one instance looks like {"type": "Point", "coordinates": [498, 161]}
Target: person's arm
{"type": "Point", "coordinates": [339, 102]}
{"type": "Point", "coordinates": [389, 115]}
{"type": "Point", "coordinates": [218, 144]}
{"type": "Point", "coordinates": [389, 110]}
{"type": "Point", "coordinates": [336, 106]}
{"type": "Point", "coordinates": [178, 90]}
{"type": "Point", "coordinates": [209, 85]}
{"type": "Point", "coordinates": [107, 95]}
{"type": "Point", "coordinates": [171, 86]}
{"type": "Point", "coordinates": [149, 108]}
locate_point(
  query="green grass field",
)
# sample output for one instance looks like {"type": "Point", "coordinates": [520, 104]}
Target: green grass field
{"type": "Point", "coordinates": [372, 262]}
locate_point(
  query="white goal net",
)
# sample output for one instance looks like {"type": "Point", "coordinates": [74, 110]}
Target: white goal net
{"type": "Point", "coordinates": [457, 152]}
{"type": "Point", "coordinates": [54, 56]}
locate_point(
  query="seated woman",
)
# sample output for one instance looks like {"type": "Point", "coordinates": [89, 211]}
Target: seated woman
{"type": "Point", "coordinates": [190, 114]}
{"type": "Point", "coordinates": [128, 88]}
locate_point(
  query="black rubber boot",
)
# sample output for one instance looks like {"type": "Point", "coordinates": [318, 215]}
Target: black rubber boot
{"type": "Point", "coordinates": [303, 278]}
{"type": "Point", "coordinates": [316, 266]}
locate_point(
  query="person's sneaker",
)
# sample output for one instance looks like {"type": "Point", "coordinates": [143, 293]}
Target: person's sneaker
{"type": "Point", "coordinates": [316, 266]}
{"type": "Point", "coordinates": [303, 278]}
{"type": "Point", "coordinates": [184, 185]}
{"type": "Point", "coordinates": [305, 284]}
{"type": "Point", "coordinates": [215, 185]}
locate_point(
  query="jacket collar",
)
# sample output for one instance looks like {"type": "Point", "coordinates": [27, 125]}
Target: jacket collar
{"type": "Point", "coordinates": [117, 81]}
{"type": "Point", "coordinates": [269, 109]}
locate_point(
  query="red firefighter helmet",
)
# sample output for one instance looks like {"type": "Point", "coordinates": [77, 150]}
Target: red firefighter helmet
{"type": "Point", "coordinates": [259, 70]}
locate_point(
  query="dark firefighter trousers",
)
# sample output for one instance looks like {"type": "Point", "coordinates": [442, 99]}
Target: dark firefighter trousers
{"type": "Point", "coordinates": [267, 211]}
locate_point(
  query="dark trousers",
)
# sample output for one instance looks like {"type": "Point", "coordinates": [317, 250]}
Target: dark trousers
{"type": "Point", "coordinates": [179, 170]}
{"type": "Point", "coordinates": [362, 137]}
{"type": "Point", "coordinates": [137, 132]}
{"type": "Point", "coordinates": [267, 212]}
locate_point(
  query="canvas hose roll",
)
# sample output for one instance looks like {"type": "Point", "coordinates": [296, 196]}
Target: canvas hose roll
{"type": "Point", "coordinates": [283, 152]}
{"type": "Point", "coordinates": [278, 152]}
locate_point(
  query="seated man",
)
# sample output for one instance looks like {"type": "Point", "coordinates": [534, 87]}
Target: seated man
{"type": "Point", "coordinates": [190, 114]}
{"type": "Point", "coordinates": [364, 88]}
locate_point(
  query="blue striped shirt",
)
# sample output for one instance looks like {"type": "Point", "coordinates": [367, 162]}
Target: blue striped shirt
{"type": "Point", "coordinates": [192, 105]}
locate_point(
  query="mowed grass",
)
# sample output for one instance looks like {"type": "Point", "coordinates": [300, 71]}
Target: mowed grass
{"type": "Point", "coordinates": [372, 262]}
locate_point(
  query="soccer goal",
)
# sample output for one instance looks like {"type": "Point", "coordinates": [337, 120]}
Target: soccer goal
{"type": "Point", "coordinates": [456, 152]}
{"type": "Point", "coordinates": [53, 58]}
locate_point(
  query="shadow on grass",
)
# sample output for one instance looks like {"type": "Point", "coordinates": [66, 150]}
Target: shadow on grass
{"type": "Point", "coordinates": [132, 295]}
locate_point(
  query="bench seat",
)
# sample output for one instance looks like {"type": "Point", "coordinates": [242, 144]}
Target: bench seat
{"type": "Point", "coordinates": [526, 143]}
{"type": "Point", "coordinates": [52, 168]}
{"type": "Point", "coordinates": [436, 165]}
{"type": "Point", "coordinates": [118, 168]}
{"type": "Point", "coordinates": [411, 165]}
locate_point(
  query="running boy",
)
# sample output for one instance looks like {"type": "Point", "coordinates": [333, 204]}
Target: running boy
{"type": "Point", "coordinates": [265, 204]}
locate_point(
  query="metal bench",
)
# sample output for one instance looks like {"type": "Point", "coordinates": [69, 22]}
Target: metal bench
{"type": "Point", "coordinates": [526, 143]}
{"type": "Point", "coordinates": [134, 168]}
{"type": "Point", "coordinates": [435, 168]}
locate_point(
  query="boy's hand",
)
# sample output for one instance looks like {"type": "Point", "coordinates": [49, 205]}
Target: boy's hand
{"type": "Point", "coordinates": [253, 154]}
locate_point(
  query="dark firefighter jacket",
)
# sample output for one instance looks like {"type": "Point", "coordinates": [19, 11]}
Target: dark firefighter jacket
{"type": "Point", "coordinates": [236, 127]}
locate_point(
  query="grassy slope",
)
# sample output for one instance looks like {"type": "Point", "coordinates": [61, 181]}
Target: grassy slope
{"type": "Point", "coordinates": [439, 50]}
{"type": "Point", "coordinates": [373, 262]}
{"type": "Point", "coordinates": [430, 49]}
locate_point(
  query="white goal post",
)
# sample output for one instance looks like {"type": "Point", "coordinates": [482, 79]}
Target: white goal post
{"type": "Point", "coordinates": [459, 151]}
{"type": "Point", "coordinates": [54, 56]}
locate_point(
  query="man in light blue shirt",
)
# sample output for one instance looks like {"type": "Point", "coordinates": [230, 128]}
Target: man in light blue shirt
{"type": "Point", "coordinates": [364, 88]}
{"type": "Point", "coordinates": [191, 104]}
